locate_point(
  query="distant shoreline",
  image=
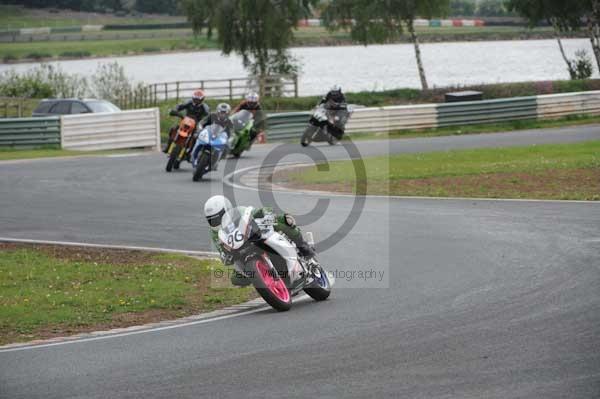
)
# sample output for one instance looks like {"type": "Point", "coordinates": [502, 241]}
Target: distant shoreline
{"type": "Point", "coordinates": [323, 41]}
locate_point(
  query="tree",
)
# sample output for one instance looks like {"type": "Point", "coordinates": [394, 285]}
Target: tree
{"type": "Point", "coordinates": [380, 21]}
{"type": "Point", "coordinates": [462, 8]}
{"type": "Point", "coordinates": [492, 8]}
{"type": "Point", "coordinates": [259, 31]}
{"type": "Point", "coordinates": [201, 14]}
{"type": "Point", "coordinates": [564, 15]}
{"type": "Point", "coordinates": [157, 6]}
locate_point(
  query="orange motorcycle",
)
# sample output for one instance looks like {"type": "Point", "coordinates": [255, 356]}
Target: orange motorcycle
{"type": "Point", "coordinates": [182, 143]}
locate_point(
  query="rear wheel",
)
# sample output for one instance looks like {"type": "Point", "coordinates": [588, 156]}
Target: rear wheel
{"type": "Point", "coordinates": [203, 163]}
{"type": "Point", "coordinates": [307, 137]}
{"type": "Point", "coordinates": [271, 287]}
{"type": "Point", "coordinates": [173, 158]}
{"type": "Point", "coordinates": [321, 287]}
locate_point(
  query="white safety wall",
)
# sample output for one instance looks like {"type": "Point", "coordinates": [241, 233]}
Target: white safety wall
{"type": "Point", "coordinates": [111, 131]}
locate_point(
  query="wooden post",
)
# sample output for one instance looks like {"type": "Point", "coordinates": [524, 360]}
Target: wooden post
{"type": "Point", "coordinates": [20, 109]}
{"type": "Point", "coordinates": [177, 95]}
{"type": "Point", "coordinates": [230, 90]}
{"type": "Point", "coordinates": [155, 94]}
{"type": "Point", "coordinates": [296, 86]}
{"type": "Point", "coordinates": [261, 86]}
{"type": "Point", "coordinates": [166, 92]}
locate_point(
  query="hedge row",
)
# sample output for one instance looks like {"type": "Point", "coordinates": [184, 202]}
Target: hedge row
{"type": "Point", "coordinates": [178, 25]}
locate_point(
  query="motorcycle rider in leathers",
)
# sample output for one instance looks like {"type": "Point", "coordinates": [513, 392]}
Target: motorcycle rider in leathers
{"type": "Point", "coordinates": [218, 205]}
{"type": "Point", "coordinates": [194, 108]}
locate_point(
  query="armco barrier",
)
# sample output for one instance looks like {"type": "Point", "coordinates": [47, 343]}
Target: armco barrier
{"type": "Point", "coordinates": [560, 105]}
{"type": "Point", "coordinates": [286, 126]}
{"type": "Point", "coordinates": [29, 132]}
{"type": "Point", "coordinates": [107, 131]}
{"type": "Point", "coordinates": [290, 126]}
{"type": "Point", "coordinates": [490, 111]}
{"type": "Point", "coordinates": [392, 118]}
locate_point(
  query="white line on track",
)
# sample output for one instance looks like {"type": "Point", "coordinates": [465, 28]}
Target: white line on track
{"type": "Point", "coordinates": [128, 247]}
{"type": "Point", "coordinates": [125, 334]}
{"type": "Point", "coordinates": [242, 309]}
{"type": "Point", "coordinates": [229, 180]}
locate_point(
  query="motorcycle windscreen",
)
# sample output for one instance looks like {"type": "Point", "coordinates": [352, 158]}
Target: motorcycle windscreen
{"type": "Point", "coordinates": [240, 119]}
{"type": "Point", "coordinates": [215, 131]}
{"type": "Point", "coordinates": [338, 117]}
{"type": "Point", "coordinates": [234, 227]}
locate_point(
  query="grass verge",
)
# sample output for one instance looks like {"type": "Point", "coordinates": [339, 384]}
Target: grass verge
{"type": "Point", "coordinates": [49, 291]}
{"type": "Point", "coordinates": [562, 171]}
{"type": "Point", "coordinates": [8, 154]}
{"type": "Point", "coordinates": [14, 51]}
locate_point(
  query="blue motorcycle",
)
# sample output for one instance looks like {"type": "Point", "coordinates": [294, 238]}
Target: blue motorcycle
{"type": "Point", "coordinates": [210, 147]}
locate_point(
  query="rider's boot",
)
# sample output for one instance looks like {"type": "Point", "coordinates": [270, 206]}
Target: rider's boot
{"type": "Point", "coordinates": [239, 279]}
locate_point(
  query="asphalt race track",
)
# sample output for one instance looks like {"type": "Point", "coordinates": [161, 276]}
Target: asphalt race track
{"type": "Point", "coordinates": [433, 298]}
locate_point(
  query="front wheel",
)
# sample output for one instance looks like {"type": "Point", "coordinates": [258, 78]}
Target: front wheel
{"type": "Point", "coordinates": [173, 158]}
{"type": "Point", "coordinates": [320, 289]}
{"type": "Point", "coordinates": [201, 167]}
{"type": "Point", "coordinates": [270, 286]}
{"type": "Point", "coordinates": [308, 135]}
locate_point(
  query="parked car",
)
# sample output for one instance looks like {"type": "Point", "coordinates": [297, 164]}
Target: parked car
{"type": "Point", "coordinates": [69, 106]}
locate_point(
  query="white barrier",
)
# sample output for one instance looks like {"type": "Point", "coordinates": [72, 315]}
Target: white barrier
{"type": "Point", "coordinates": [560, 105]}
{"type": "Point", "coordinates": [109, 131]}
{"type": "Point", "coordinates": [551, 106]}
{"type": "Point", "coordinates": [34, 31]}
{"type": "Point", "coordinates": [393, 118]}
{"type": "Point", "coordinates": [92, 28]}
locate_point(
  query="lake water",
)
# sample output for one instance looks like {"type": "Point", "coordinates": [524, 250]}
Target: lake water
{"type": "Point", "coordinates": [363, 68]}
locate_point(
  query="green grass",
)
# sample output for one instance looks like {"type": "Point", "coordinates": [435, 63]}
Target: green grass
{"type": "Point", "coordinates": [39, 291]}
{"type": "Point", "coordinates": [7, 154]}
{"type": "Point", "coordinates": [436, 172]}
{"type": "Point", "coordinates": [103, 47]}
{"type": "Point", "coordinates": [15, 17]}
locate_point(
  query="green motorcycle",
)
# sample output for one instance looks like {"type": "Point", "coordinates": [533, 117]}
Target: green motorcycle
{"type": "Point", "coordinates": [246, 127]}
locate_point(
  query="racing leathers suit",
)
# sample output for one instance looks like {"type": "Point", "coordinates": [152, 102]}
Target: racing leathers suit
{"type": "Point", "coordinates": [284, 224]}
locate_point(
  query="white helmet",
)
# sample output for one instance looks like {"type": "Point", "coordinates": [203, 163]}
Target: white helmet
{"type": "Point", "coordinates": [214, 209]}
{"type": "Point", "coordinates": [223, 111]}
{"type": "Point", "coordinates": [252, 98]}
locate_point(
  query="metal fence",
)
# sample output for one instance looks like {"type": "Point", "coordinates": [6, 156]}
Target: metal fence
{"type": "Point", "coordinates": [29, 132]}
{"type": "Point", "coordinates": [275, 85]}
{"type": "Point", "coordinates": [286, 126]}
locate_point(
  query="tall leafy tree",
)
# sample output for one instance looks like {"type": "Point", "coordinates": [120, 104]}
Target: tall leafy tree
{"type": "Point", "coordinates": [260, 31]}
{"type": "Point", "coordinates": [564, 15]}
{"type": "Point", "coordinates": [380, 21]}
{"type": "Point", "coordinates": [201, 14]}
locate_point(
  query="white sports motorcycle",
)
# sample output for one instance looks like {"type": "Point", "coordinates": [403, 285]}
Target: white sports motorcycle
{"type": "Point", "coordinates": [270, 260]}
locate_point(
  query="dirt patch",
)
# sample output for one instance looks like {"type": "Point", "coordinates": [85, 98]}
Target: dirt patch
{"type": "Point", "coordinates": [565, 184]}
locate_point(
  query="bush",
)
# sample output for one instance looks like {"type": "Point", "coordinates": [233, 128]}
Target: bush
{"type": "Point", "coordinates": [9, 57]}
{"type": "Point", "coordinates": [36, 56]}
{"type": "Point", "coordinates": [110, 82]}
{"type": "Point", "coordinates": [75, 54]}
{"type": "Point", "coordinates": [583, 66]}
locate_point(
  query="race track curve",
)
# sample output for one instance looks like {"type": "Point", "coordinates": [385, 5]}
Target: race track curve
{"type": "Point", "coordinates": [433, 298]}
